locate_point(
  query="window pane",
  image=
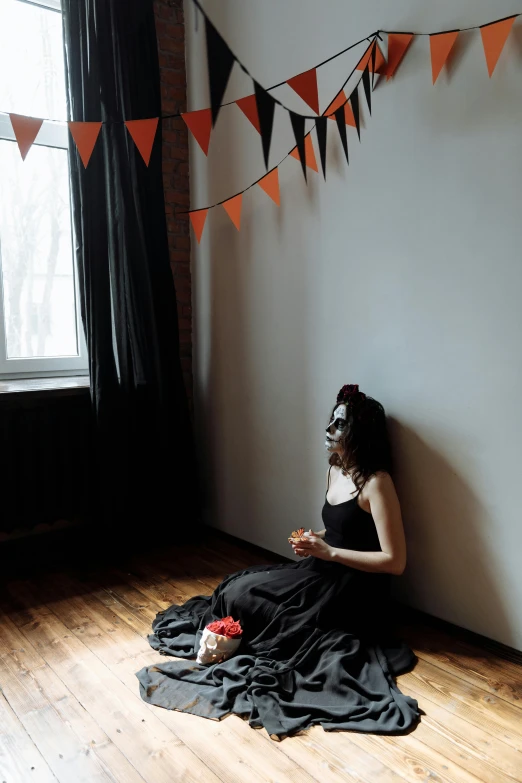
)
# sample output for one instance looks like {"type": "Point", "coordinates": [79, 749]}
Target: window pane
{"type": "Point", "coordinates": [31, 61]}
{"type": "Point", "coordinates": [36, 253]}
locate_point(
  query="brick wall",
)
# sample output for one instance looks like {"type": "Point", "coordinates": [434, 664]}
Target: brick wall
{"type": "Point", "coordinates": [170, 30]}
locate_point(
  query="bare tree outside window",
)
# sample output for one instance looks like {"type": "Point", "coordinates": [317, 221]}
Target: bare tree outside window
{"type": "Point", "coordinates": [39, 325]}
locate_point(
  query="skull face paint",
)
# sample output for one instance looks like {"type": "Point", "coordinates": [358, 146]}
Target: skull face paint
{"type": "Point", "coordinates": [337, 427]}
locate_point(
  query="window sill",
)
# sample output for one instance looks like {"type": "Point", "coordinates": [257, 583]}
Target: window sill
{"type": "Point", "coordinates": [26, 388]}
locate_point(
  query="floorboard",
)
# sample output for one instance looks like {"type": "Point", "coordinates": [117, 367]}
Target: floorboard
{"type": "Point", "coordinates": [72, 640]}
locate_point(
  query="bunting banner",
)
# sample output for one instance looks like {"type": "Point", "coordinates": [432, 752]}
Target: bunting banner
{"type": "Point", "coordinates": [341, 102]}
{"type": "Point", "coordinates": [233, 209]}
{"type": "Point", "coordinates": [377, 64]}
{"type": "Point", "coordinates": [367, 87]}
{"type": "Point", "coordinates": [265, 113]}
{"type": "Point", "coordinates": [494, 37]}
{"type": "Point", "coordinates": [321, 128]}
{"type": "Point", "coordinates": [143, 133]}
{"type": "Point", "coordinates": [26, 130]}
{"type": "Point", "coordinates": [270, 184]}
{"type": "Point", "coordinates": [248, 106]}
{"type": "Point", "coordinates": [310, 158]}
{"type": "Point", "coordinates": [305, 85]}
{"type": "Point", "coordinates": [354, 99]}
{"type": "Point", "coordinates": [398, 44]}
{"type": "Point", "coordinates": [372, 65]}
{"type": "Point", "coordinates": [298, 126]}
{"type": "Point", "coordinates": [341, 127]}
{"type": "Point", "coordinates": [441, 45]}
{"type": "Point", "coordinates": [259, 106]}
{"type": "Point", "coordinates": [220, 61]}
{"type": "Point", "coordinates": [345, 108]}
{"type": "Point", "coordinates": [198, 219]}
{"type": "Point", "coordinates": [199, 124]}
{"type": "Point", "coordinates": [85, 135]}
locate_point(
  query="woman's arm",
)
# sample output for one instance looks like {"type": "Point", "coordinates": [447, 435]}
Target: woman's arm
{"type": "Point", "coordinates": [374, 562]}
{"type": "Point", "coordinates": [385, 509]}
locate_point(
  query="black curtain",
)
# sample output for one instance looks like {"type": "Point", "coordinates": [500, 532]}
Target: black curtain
{"type": "Point", "coordinates": [143, 469]}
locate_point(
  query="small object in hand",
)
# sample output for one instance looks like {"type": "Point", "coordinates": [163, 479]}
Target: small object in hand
{"type": "Point", "coordinates": [220, 639]}
{"type": "Point", "coordinates": [299, 535]}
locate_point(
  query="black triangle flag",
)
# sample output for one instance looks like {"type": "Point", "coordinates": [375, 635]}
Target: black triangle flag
{"type": "Point", "coordinates": [220, 60]}
{"type": "Point", "coordinates": [321, 129]}
{"type": "Point", "coordinates": [341, 124]}
{"type": "Point", "coordinates": [265, 110]}
{"type": "Point", "coordinates": [354, 98]}
{"type": "Point", "coordinates": [373, 61]}
{"type": "Point", "coordinates": [367, 88]}
{"type": "Point", "coordinates": [298, 126]}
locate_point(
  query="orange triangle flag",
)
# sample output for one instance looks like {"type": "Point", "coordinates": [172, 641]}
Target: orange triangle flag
{"type": "Point", "coordinates": [337, 101]}
{"type": "Point", "coordinates": [233, 209]}
{"type": "Point", "coordinates": [197, 219]}
{"type": "Point", "coordinates": [270, 184]}
{"type": "Point", "coordinates": [199, 124]}
{"type": "Point", "coordinates": [494, 36]}
{"type": "Point", "coordinates": [311, 161]}
{"type": "Point", "coordinates": [25, 130]}
{"type": "Point", "coordinates": [367, 60]}
{"type": "Point", "coordinates": [143, 133]}
{"type": "Point", "coordinates": [305, 85]}
{"type": "Point", "coordinates": [248, 106]}
{"type": "Point", "coordinates": [348, 111]}
{"type": "Point", "coordinates": [85, 135]}
{"type": "Point", "coordinates": [397, 45]}
{"type": "Point", "coordinates": [441, 45]}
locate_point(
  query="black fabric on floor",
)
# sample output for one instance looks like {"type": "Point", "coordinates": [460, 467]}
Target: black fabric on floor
{"type": "Point", "coordinates": [318, 645]}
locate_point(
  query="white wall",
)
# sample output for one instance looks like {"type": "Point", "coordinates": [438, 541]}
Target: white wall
{"type": "Point", "coordinates": [402, 273]}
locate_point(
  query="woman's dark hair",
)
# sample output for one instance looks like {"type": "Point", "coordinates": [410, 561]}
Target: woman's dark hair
{"type": "Point", "coordinates": [365, 445]}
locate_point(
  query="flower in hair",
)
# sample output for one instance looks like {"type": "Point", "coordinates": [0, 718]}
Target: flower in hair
{"type": "Point", "coordinates": [350, 394]}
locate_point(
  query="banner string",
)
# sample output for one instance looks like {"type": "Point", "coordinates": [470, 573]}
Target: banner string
{"type": "Point", "coordinates": [372, 39]}
{"type": "Point", "coordinates": [454, 30]}
{"type": "Point", "coordinates": [231, 103]}
{"type": "Point", "coordinates": [240, 193]}
{"type": "Point", "coordinates": [377, 34]}
{"type": "Point", "coordinates": [243, 67]}
{"type": "Point", "coordinates": [281, 84]}
{"type": "Point", "coordinates": [372, 36]}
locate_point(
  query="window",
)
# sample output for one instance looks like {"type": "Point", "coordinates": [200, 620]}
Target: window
{"type": "Point", "coordinates": [40, 327]}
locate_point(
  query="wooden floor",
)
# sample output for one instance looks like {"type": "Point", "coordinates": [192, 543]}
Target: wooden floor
{"type": "Point", "coordinates": [70, 711]}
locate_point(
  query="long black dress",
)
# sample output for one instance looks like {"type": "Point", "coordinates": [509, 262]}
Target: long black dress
{"type": "Point", "coordinates": [317, 646]}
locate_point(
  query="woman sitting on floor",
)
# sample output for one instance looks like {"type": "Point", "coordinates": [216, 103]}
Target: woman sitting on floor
{"type": "Point", "coordinates": [317, 645]}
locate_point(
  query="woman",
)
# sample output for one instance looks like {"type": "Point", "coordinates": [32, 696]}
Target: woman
{"type": "Point", "coordinates": [317, 646]}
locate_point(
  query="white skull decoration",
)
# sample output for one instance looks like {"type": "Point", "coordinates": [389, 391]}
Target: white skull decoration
{"type": "Point", "coordinates": [215, 648]}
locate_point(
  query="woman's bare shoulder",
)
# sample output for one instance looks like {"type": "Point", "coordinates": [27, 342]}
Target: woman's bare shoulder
{"type": "Point", "coordinates": [380, 483]}
{"type": "Point", "coordinates": [333, 470]}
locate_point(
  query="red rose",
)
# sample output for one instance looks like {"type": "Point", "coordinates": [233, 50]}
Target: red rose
{"type": "Point", "coordinates": [227, 626]}
{"type": "Point", "coordinates": [217, 626]}
{"type": "Point", "coordinates": [233, 630]}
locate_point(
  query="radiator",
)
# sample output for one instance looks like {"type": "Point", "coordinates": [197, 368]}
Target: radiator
{"type": "Point", "coordinates": [45, 459]}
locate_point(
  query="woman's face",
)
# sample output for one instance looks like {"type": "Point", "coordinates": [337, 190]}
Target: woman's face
{"type": "Point", "coordinates": [337, 428]}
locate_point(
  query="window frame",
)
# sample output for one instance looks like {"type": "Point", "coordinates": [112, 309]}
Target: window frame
{"type": "Point", "coordinates": [56, 135]}
{"type": "Point", "coordinates": [51, 5]}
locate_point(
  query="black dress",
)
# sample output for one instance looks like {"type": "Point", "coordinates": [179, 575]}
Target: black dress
{"type": "Point", "coordinates": [317, 645]}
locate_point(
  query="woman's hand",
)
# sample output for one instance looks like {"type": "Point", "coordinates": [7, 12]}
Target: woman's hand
{"type": "Point", "coordinates": [315, 546]}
